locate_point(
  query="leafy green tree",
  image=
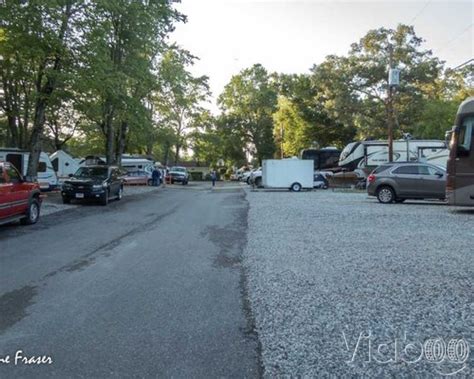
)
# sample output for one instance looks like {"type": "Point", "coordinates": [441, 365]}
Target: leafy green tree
{"type": "Point", "coordinates": [179, 97]}
{"type": "Point", "coordinates": [250, 99]}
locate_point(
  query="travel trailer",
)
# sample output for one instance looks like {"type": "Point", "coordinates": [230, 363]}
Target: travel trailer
{"type": "Point", "coordinates": [138, 164]}
{"type": "Point", "coordinates": [63, 164]}
{"type": "Point", "coordinates": [370, 154]}
{"type": "Point", "coordinates": [460, 181]}
{"type": "Point", "coordinates": [47, 178]}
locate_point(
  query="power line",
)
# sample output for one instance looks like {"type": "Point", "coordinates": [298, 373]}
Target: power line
{"type": "Point", "coordinates": [463, 64]}
{"type": "Point", "coordinates": [457, 36]}
{"type": "Point", "coordinates": [420, 12]}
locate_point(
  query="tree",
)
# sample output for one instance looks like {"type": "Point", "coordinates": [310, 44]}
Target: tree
{"type": "Point", "coordinates": [179, 96]}
{"type": "Point", "coordinates": [249, 100]}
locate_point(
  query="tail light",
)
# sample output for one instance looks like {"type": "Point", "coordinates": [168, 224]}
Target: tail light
{"type": "Point", "coordinates": [371, 178]}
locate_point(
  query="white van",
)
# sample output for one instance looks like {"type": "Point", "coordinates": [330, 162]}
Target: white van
{"type": "Point", "coordinates": [63, 164]}
{"type": "Point", "coordinates": [47, 178]}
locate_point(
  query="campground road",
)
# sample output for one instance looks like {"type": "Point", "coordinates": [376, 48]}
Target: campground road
{"type": "Point", "coordinates": [151, 286]}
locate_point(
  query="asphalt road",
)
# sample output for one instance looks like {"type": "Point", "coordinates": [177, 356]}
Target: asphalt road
{"type": "Point", "coordinates": [151, 286]}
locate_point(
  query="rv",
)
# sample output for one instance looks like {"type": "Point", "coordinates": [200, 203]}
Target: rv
{"type": "Point", "coordinates": [460, 181]}
{"type": "Point", "coordinates": [63, 164]}
{"type": "Point", "coordinates": [325, 159]}
{"type": "Point", "coordinates": [366, 155]}
{"type": "Point", "coordinates": [47, 178]}
{"type": "Point", "coordinates": [138, 164]}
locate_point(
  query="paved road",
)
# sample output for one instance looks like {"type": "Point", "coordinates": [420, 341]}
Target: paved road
{"type": "Point", "coordinates": [149, 286]}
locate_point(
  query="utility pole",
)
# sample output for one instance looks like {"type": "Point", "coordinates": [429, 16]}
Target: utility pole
{"type": "Point", "coordinates": [390, 105]}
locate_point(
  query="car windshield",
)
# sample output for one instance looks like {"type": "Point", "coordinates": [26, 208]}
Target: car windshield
{"type": "Point", "coordinates": [91, 172]}
{"type": "Point", "coordinates": [178, 169]}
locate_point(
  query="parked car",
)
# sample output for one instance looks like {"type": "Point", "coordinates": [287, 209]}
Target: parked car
{"type": "Point", "coordinates": [255, 178]}
{"type": "Point", "coordinates": [19, 199]}
{"type": "Point", "coordinates": [94, 182]}
{"type": "Point", "coordinates": [178, 175]}
{"type": "Point", "coordinates": [139, 177]}
{"type": "Point", "coordinates": [397, 182]}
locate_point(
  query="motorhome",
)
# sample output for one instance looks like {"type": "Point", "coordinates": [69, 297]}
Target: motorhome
{"type": "Point", "coordinates": [47, 178]}
{"type": "Point", "coordinates": [365, 155]}
{"type": "Point", "coordinates": [63, 164]}
{"type": "Point", "coordinates": [460, 181]}
{"type": "Point", "coordinates": [325, 159]}
{"type": "Point", "coordinates": [138, 164]}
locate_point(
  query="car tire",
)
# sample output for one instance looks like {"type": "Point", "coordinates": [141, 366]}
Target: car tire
{"type": "Point", "coordinates": [105, 198]}
{"type": "Point", "coordinates": [258, 182]}
{"type": "Point", "coordinates": [120, 193]}
{"type": "Point", "coordinates": [385, 195]}
{"type": "Point", "coordinates": [296, 187]}
{"type": "Point", "coordinates": [33, 213]}
{"type": "Point", "coordinates": [66, 200]}
{"type": "Point", "coordinates": [150, 182]}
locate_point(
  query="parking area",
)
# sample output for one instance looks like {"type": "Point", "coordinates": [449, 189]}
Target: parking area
{"type": "Point", "coordinates": [340, 285]}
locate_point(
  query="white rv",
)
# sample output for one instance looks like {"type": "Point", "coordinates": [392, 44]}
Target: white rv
{"type": "Point", "coordinates": [63, 164]}
{"type": "Point", "coordinates": [292, 174]}
{"type": "Point", "coordinates": [47, 178]}
{"type": "Point", "coordinates": [138, 164]}
{"type": "Point", "coordinates": [370, 154]}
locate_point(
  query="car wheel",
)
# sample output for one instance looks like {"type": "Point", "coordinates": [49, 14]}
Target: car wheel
{"type": "Point", "coordinates": [399, 201]}
{"type": "Point", "coordinates": [248, 180]}
{"type": "Point", "coordinates": [386, 195]}
{"type": "Point", "coordinates": [66, 200]}
{"type": "Point", "coordinates": [150, 182]}
{"type": "Point", "coordinates": [33, 213]}
{"type": "Point", "coordinates": [105, 198]}
{"type": "Point", "coordinates": [258, 182]}
{"type": "Point", "coordinates": [120, 193]}
{"type": "Point", "coordinates": [295, 187]}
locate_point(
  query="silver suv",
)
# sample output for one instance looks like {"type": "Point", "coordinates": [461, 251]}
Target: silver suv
{"type": "Point", "coordinates": [397, 182]}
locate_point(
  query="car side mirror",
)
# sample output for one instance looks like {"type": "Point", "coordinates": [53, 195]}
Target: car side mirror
{"type": "Point", "coordinates": [71, 175]}
{"type": "Point", "coordinates": [439, 174]}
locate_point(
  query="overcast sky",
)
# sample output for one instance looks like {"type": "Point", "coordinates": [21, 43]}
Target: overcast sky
{"type": "Point", "coordinates": [290, 36]}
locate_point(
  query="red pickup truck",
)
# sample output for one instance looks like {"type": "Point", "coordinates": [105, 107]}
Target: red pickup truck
{"type": "Point", "coordinates": [19, 199]}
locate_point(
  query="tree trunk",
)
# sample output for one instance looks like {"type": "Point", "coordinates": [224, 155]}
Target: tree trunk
{"type": "Point", "coordinates": [110, 137]}
{"type": "Point", "coordinates": [43, 95]}
{"type": "Point", "coordinates": [121, 142]}
{"type": "Point", "coordinates": [176, 157]}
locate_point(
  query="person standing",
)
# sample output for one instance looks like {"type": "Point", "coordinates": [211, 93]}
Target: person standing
{"type": "Point", "coordinates": [213, 177]}
{"type": "Point", "coordinates": [156, 176]}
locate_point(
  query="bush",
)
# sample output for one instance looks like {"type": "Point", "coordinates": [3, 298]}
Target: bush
{"type": "Point", "coordinates": [196, 175]}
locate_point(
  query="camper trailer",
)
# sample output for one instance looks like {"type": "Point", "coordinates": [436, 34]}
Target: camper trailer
{"type": "Point", "coordinates": [138, 164]}
{"type": "Point", "coordinates": [63, 164]}
{"type": "Point", "coordinates": [47, 178]}
{"type": "Point", "coordinates": [370, 154]}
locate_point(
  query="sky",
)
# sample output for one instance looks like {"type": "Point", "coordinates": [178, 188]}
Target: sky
{"type": "Point", "coordinates": [290, 36]}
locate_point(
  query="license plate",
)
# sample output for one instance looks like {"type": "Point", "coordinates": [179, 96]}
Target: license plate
{"type": "Point", "coordinates": [79, 196]}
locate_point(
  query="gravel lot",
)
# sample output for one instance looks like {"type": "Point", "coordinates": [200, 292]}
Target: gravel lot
{"type": "Point", "coordinates": [324, 267]}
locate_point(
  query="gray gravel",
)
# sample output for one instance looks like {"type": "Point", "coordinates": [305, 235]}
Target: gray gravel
{"type": "Point", "coordinates": [325, 266]}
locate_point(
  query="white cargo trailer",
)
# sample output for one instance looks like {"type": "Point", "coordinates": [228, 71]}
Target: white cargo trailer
{"type": "Point", "coordinates": [292, 174]}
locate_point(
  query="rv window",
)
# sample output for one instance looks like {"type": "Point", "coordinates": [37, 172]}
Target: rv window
{"type": "Point", "coordinates": [41, 167]}
{"type": "Point", "coordinates": [465, 136]}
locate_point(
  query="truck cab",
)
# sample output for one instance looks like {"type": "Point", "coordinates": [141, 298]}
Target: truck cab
{"type": "Point", "coordinates": [19, 199]}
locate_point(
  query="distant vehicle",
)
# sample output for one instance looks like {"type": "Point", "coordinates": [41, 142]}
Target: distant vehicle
{"type": "Point", "coordinates": [460, 184]}
{"type": "Point", "coordinates": [292, 174]}
{"type": "Point", "coordinates": [367, 155]}
{"type": "Point", "coordinates": [137, 178]}
{"type": "Point", "coordinates": [320, 181]}
{"type": "Point", "coordinates": [138, 164]}
{"type": "Point", "coordinates": [47, 178]}
{"type": "Point", "coordinates": [63, 164]}
{"type": "Point", "coordinates": [94, 182]}
{"type": "Point", "coordinates": [246, 176]}
{"type": "Point", "coordinates": [255, 177]}
{"type": "Point", "coordinates": [178, 174]}
{"type": "Point", "coordinates": [19, 199]}
{"type": "Point", "coordinates": [397, 182]}
{"type": "Point", "coordinates": [325, 159]}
